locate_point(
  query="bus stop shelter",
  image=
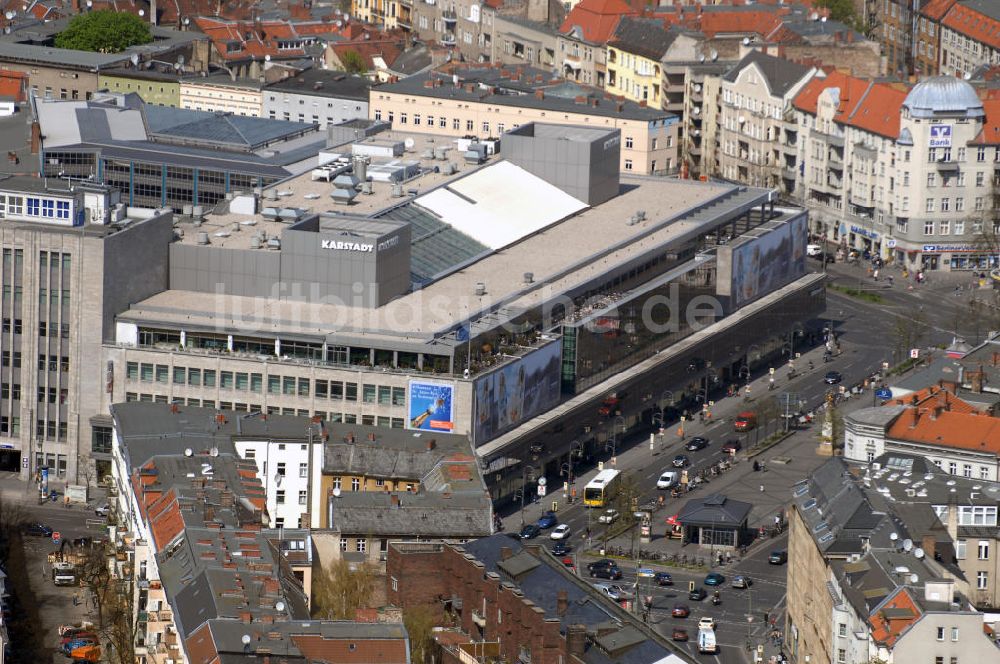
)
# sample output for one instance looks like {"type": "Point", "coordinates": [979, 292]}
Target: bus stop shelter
{"type": "Point", "coordinates": [715, 521]}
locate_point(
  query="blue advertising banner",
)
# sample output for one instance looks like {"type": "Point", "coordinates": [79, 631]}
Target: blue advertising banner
{"type": "Point", "coordinates": [430, 406]}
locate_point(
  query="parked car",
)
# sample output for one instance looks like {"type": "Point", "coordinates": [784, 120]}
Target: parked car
{"type": "Point", "coordinates": [548, 520]}
{"type": "Point", "coordinates": [706, 622]}
{"type": "Point", "coordinates": [663, 579]}
{"type": "Point", "coordinates": [612, 573]}
{"type": "Point", "coordinates": [561, 548]}
{"type": "Point", "coordinates": [714, 579]}
{"type": "Point", "coordinates": [697, 594]}
{"type": "Point", "coordinates": [561, 531]}
{"type": "Point", "coordinates": [832, 377]}
{"type": "Point", "coordinates": [681, 461]}
{"type": "Point", "coordinates": [668, 479]}
{"type": "Point", "coordinates": [731, 446]}
{"type": "Point", "coordinates": [530, 531]}
{"type": "Point", "coordinates": [745, 421]}
{"type": "Point", "coordinates": [741, 581]}
{"type": "Point", "coordinates": [102, 510]}
{"type": "Point", "coordinates": [680, 611]}
{"type": "Point", "coordinates": [778, 557]}
{"type": "Point", "coordinates": [38, 530]}
{"type": "Point", "coordinates": [679, 634]}
{"type": "Point", "coordinates": [608, 516]}
{"type": "Point", "coordinates": [696, 443]}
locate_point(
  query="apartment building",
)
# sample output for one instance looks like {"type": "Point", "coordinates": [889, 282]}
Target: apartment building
{"type": "Point", "coordinates": [895, 28]}
{"type": "Point", "coordinates": [319, 96]}
{"type": "Point", "coordinates": [582, 51]}
{"type": "Point", "coordinates": [452, 103]}
{"type": "Point", "coordinates": [928, 36]}
{"type": "Point", "coordinates": [874, 571]}
{"type": "Point", "coordinates": [59, 245]}
{"type": "Point", "coordinates": [521, 40]}
{"type": "Point", "coordinates": [636, 59]}
{"type": "Point", "coordinates": [905, 175]}
{"type": "Point", "coordinates": [220, 93]}
{"type": "Point", "coordinates": [969, 37]}
{"type": "Point", "coordinates": [755, 97]}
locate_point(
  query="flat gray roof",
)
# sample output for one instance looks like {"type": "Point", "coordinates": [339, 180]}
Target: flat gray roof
{"type": "Point", "coordinates": [62, 57]}
{"type": "Point", "coordinates": [590, 243]}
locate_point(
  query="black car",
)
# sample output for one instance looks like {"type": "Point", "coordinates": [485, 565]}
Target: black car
{"type": "Point", "coordinates": [697, 594]}
{"type": "Point", "coordinates": [696, 443]}
{"type": "Point", "coordinates": [832, 377]}
{"type": "Point", "coordinates": [38, 530]}
{"type": "Point", "coordinates": [778, 557]}
{"type": "Point", "coordinates": [663, 579]}
{"type": "Point", "coordinates": [603, 562]}
{"type": "Point", "coordinates": [530, 531]}
{"type": "Point", "coordinates": [681, 461]}
{"type": "Point", "coordinates": [561, 549]}
{"type": "Point", "coordinates": [612, 573]}
{"type": "Point", "coordinates": [731, 446]}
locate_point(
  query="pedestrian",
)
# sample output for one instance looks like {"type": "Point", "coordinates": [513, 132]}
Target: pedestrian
{"type": "Point", "coordinates": [720, 560]}
{"type": "Point", "coordinates": [875, 274]}
{"type": "Point", "coordinates": [890, 280]}
{"type": "Point", "coordinates": [766, 616]}
{"type": "Point", "coordinates": [762, 488]}
{"type": "Point", "coordinates": [76, 599]}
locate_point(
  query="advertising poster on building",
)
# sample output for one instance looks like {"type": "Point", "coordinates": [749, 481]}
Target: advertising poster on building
{"type": "Point", "coordinates": [431, 406]}
{"type": "Point", "coordinates": [516, 392]}
{"type": "Point", "coordinates": [769, 262]}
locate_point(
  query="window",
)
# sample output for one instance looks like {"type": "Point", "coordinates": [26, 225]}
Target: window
{"type": "Point", "coordinates": [368, 393]}
{"type": "Point", "coordinates": [302, 497]}
{"type": "Point", "coordinates": [980, 178]}
{"type": "Point", "coordinates": [984, 549]}
{"type": "Point", "coordinates": [131, 370]}
{"type": "Point", "coordinates": [628, 142]}
{"type": "Point", "coordinates": [628, 164]}
{"type": "Point", "coordinates": [360, 544]}
{"type": "Point", "coordinates": [944, 227]}
{"type": "Point", "coordinates": [281, 468]}
{"type": "Point", "coordinates": [960, 549]}
{"type": "Point", "coordinates": [940, 633]}
{"type": "Point", "coordinates": [303, 470]}
{"type": "Point", "coordinates": [398, 396]}
{"type": "Point", "coordinates": [209, 376]}
{"type": "Point", "coordinates": [959, 207]}
{"type": "Point", "coordinates": [945, 204]}
{"type": "Point", "coordinates": [486, 127]}
{"type": "Point", "coordinates": [952, 468]}
{"type": "Point", "coordinates": [931, 179]}
{"type": "Point", "coordinates": [841, 656]}
{"type": "Point", "coordinates": [842, 629]}
{"type": "Point", "coordinates": [954, 634]}
{"type": "Point", "coordinates": [279, 496]}
{"type": "Point", "coordinates": [343, 547]}
{"type": "Point", "coordinates": [355, 484]}
{"type": "Point", "coordinates": [180, 375]}
{"type": "Point", "coordinates": [981, 154]}
{"type": "Point", "coordinates": [929, 206]}
{"type": "Point", "coordinates": [928, 228]}
{"type": "Point", "coordinates": [978, 515]}
{"type": "Point", "coordinates": [982, 580]}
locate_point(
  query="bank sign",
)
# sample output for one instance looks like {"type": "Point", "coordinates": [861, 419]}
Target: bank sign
{"type": "Point", "coordinates": [940, 136]}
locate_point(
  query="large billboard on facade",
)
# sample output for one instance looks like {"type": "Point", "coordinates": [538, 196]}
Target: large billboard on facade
{"type": "Point", "coordinates": [758, 266]}
{"type": "Point", "coordinates": [431, 406]}
{"type": "Point", "coordinates": [516, 392]}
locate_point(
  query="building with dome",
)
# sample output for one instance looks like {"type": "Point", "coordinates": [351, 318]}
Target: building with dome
{"type": "Point", "coordinates": [908, 175]}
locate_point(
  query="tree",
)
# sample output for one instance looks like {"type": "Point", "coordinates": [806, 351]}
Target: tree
{"type": "Point", "coordinates": [112, 596]}
{"type": "Point", "coordinates": [339, 591]}
{"type": "Point", "coordinates": [420, 622]}
{"type": "Point", "coordinates": [353, 62]}
{"type": "Point", "coordinates": [104, 32]}
{"type": "Point", "coordinates": [841, 10]}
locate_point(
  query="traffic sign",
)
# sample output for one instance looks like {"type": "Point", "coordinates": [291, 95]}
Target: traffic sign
{"type": "Point", "coordinates": [24, 462]}
{"type": "Point", "coordinates": [541, 490]}
{"type": "Point", "coordinates": [914, 353]}
{"type": "Point", "coordinates": [883, 393]}
{"type": "Point", "coordinates": [56, 536]}
{"type": "Point", "coordinates": [542, 481]}
{"type": "Point", "coordinates": [690, 586]}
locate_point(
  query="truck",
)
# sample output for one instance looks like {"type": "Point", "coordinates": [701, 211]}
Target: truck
{"type": "Point", "coordinates": [706, 641]}
{"type": "Point", "coordinates": [64, 574]}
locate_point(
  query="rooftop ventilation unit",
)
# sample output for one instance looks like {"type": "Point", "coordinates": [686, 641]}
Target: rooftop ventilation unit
{"type": "Point", "coordinates": [480, 289]}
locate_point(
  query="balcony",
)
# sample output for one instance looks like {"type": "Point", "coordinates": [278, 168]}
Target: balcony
{"type": "Point", "coordinates": [450, 18]}
{"type": "Point", "coordinates": [946, 164]}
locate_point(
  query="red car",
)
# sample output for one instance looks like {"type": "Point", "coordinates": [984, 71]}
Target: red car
{"type": "Point", "coordinates": [680, 611]}
{"type": "Point", "coordinates": [679, 634]}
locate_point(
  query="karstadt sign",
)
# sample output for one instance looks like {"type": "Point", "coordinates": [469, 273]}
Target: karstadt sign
{"type": "Point", "coordinates": [362, 247]}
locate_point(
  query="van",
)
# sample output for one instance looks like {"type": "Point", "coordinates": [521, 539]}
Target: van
{"type": "Point", "coordinates": [745, 421]}
{"type": "Point", "coordinates": [706, 641]}
{"type": "Point", "coordinates": [668, 479]}
{"type": "Point", "coordinates": [63, 574]}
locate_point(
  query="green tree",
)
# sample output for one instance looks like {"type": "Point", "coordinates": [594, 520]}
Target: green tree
{"type": "Point", "coordinates": [420, 622]}
{"type": "Point", "coordinates": [354, 63]}
{"type": "Point", "coordinates": [339, 591]}
{"type": "Point", "coordinates": [841, 10]}
{"type": "Point", "coordinates": [104, 32]}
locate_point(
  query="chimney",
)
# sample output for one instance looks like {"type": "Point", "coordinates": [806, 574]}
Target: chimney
{"type": "Point", "coordinates": [976, 380]}
{"type": "Point", "coordinates": [576, 640]}
{"type": "Point", "coordinates": [562, 602]}
{"type": "Point", "coordinates": [619, 107]}
{"type": "Point", "coordinates": [394, 501]}
{"type": "Point", "coordinates": [431, 444]}
{"type": "Point", "coordinates": [642, 103]}
{"type": "Point", "coordinates": [539, 94]}
{"type": "Point", "coordinates": [914, 417]}
{"type": "Point", "coordinates": [246, 618]}
{"type": "Point", "coordinates": [36, 137]}
{"type": "Point", "coordinates": [580, 99]}
{"type": "Point", "coordinates": [371, 436]}
{"type": "Point", "coordinates": [850, 36]}
{"type": "Point", "coordinates": [505, 552]}
{"type": "Point", "coordinates": [929, 545]}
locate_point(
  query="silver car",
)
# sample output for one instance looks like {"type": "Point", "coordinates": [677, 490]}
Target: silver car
{"type": "Point", "coordinates": [612, 590]}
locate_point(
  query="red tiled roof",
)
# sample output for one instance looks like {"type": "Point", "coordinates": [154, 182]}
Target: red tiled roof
{"type": "Point", "coordinates": [886, 629]}
{"type": "Point", "coordinates": [261, 38]}
{"type": "Point", "coordinates": [765, 24]}
{"type": "Point", "coordinates": [936, 9]}
{"type": "Point", "coordinates": [872, 107]}
{"type": "Point", "coordinates": [990, 135]}
{"type": "Point", "coordinates": [387, 49]}
{"type": "Point", "coordinates": [980, 433]}
{"type": "Point", "coordinates": [597, 18]}
{"type": "Point", "coordinates": [934, 397]}
{"type": "Point", "coordinates": [13, 84]}
{"type": "Point", "coordinates": [974, 25]}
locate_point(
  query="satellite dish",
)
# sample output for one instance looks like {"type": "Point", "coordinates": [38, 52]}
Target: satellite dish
{"type": "Point", "coordinates": [347, 17]}
{"type": "Point", "coordinates": [714, 55]}
{"type": "Point", "coordinates": [10, 15]}
{"type": "Point", "coordinates": [741, 119]}
{"type": "Point", "coordinates": [245, 639]}
{"type": "Point", "coordinates": [187, 21]}
{"type": "Point", "coordinates": [823, 20]}
{"type": "Point", "coordinates": [267, 58]}
{"type": "Point", "coordinates": [697, 87]}
{"type": "Point", "coordinates": [697, 110]}
{"type": "Point", "coordinates": [279, 606]}
{"type": "Point", "coordinates": [409, 143]}
{"type": "Point", "coordinates": [177, 66]}
{"type": "Point", "coordinates": [746, 41]}
{"type": "Point", "coordinates": [188, 452]}
{"type": "Point", "coordinates": [277, 479]}
{"type": "Point", "coordinates": [180, 60]}
{"type": "Point", "coordinates": [918, 553]}
{"type": "Point", "coordinates": [701, 58]}
{"type": "Point", "coordinates": [968, 76]}
{"type": "Point", "coordinates": [914, 578]}
{"type": "Point", "coordinates": [907, 544]}
{"type": "Point", "coordinates": [134, 58]}
{"type": "Point", "coordinates": [336, 492]}
{"type": "Point", "coordinates": [893, 536]}
{"type": "Point", "coordinates": [339, 23]}
{"type": "Point", "coordinates": [214, 451]}
{"type": "Point", "coordinates": [142, 12]}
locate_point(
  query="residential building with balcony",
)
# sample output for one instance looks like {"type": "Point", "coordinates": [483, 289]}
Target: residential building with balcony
{"type": "Point", "coordinates": [522, 41]}
{"type": "Point", "coordinates": [60, 241]}
{"type": "Point", "coordinates": [928, 58]}
{"type": "Point", "coordinates": [755, 97]}
{"type": "Point", "coordinates": [583, 37]}
{"type": "Point", "coordinates": [905, 175]}
{"type": "Point", "coordinates": [636, 57]}
{"type": "Point", "coordinates": [464, 27]}
{"type": "Point", "coordinates": [969, 37]}
{"type": "Point", "coordinates": [895, 28]}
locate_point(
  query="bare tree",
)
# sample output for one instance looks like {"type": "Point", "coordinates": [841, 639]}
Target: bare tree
{"type": "Point", "coordinates": [112, 598]}
{"type": "Point", "coordinates": [339, 591]}
{"type": "Point", "coordinates": [420, 622]}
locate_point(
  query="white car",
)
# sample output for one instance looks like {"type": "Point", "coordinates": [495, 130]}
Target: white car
{"type": "Point", "coordinates": [560, 532]}
{"type": "Point", "coordinates": [608, 516]}
{"type": "Point", "coordinates": [707, 622]}
{"type": "Point", "coordinates": [614, 591]}
{"type": "Point", "coordinates": [102, 510]}
{"type": "Point", "coordinates": [667, 479]}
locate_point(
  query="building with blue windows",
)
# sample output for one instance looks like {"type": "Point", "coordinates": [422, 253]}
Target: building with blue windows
{"type": "Point", "coordinates": [160, 156]}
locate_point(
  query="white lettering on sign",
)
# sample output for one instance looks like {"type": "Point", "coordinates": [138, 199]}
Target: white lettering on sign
{"type": "Point", "coordinates": [611, 142]}
{"type": "Point", "coordinates": [346, 246]}
{"type": "Point", "coordinates": [388, 244]}
{"type": "Point", "coordinates": [940, 136]}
